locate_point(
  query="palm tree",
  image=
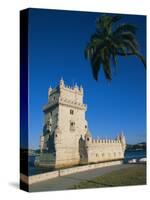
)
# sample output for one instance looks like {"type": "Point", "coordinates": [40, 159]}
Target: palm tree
{"type": "Point", "coordinates": [109, 42]}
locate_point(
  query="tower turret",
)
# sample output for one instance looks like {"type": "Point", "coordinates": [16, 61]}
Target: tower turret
{"type": "Point", "coordinates": [49, 91]}
{"type": "Point", "coordinates": [123, 141]}
{"type": "Point", "coordinates": [76, 87]}
{"type": "Point", "coordinates": [81, 89]}
{"type": "Point", "coordinates": [88, 137]}
{"type": "Point", "coordinates": [61, 84]}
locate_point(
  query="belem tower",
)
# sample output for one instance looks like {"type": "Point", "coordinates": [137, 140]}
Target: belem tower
{"type": "Point", "coordinates": [66, 140]}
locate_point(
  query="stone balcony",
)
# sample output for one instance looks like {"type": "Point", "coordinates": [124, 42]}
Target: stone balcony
{"type": "Point", "coordinates": [66, 102]}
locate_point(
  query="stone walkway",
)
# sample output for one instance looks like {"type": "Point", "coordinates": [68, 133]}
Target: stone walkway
{"type": "Point", "coordinates": [66, 182]}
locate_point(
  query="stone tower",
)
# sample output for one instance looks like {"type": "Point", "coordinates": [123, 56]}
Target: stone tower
{"type": "Point", "coordinates": [64, 125]}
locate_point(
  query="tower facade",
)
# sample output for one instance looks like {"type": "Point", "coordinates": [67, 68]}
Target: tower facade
{"type": "Point", "coordinates": [64, 124]}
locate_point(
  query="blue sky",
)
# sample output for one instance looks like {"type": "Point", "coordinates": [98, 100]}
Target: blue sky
{"type": "Point", "coordinates": [57, 40]}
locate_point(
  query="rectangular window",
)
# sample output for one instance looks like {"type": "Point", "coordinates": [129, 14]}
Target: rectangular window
{"type": "Point", "coordinates": [71, 112]}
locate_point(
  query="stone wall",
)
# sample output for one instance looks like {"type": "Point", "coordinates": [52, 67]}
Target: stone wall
{"type": "Point", "coordinates": [38, 178]}
{"type": "Point", "coordinates": [73, 170]}
{"type": "Point", "coordinates": [63, 172]}
{"type": "Point", "coordinates": [104, 150]}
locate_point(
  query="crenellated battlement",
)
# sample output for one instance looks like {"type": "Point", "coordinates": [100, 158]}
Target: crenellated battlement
{"type": "Point", "coordinates": [61, 87]}
{"type": "Point", "coordinates": [73, 89]}
{"type": "Point", "coordinates": [104, 141]}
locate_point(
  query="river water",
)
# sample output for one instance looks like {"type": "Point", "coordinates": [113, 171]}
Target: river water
{"type": "Point", "coordinates": [137, 154]}
{"type": "Point", "coordinates": [128, 156]}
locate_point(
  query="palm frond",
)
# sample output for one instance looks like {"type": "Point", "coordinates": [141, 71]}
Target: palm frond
{"type": "Point", "coordinates": [141, 58]}
{"type": "Point", "coordinates": [114, 59]}
{"type": "Point", "coordinates": [105, 22]}
{"type": "Point", "coordinates": [93, 47]}
{"type": "Point", "coordinates": [129, 36]}
{"type": "Point", "coordinates": [114, 19]}
{"type": "Point", "coordinates": [125, 27]}
{"type": "Point", "coordinates": [95, 64]}
{"type": "Point", "coordinates": [130, 46]}
{"type": "Point", "coordinates": [107, 70]}
{"type": "Point", "coordinates": [106, 64]}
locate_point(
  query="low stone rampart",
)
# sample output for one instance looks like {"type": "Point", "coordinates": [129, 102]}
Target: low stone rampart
{"type": "Point", "coordinates": [63, 172]}
{"type": "Point", "coordinates": [38, 178]}
{"type": "Point", "coordinates": [72, 170]}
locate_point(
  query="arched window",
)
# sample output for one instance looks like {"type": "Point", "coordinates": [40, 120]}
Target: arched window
{"type": "Point", "coordinates": [72, 126]}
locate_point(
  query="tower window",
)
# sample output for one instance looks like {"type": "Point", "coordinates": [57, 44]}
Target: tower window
{"type": "Point", "coordinates": [71, 112]}
{"type": "Point", "coordinates": [72, 126]}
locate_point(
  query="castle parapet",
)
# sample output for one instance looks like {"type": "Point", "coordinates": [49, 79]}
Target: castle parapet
{"type": "Point", "coordinates": [103, 141]}
{"type": "Point", "coordinates": [72, 103]}
{"type": "Point", "coordinates": [74, 89]}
